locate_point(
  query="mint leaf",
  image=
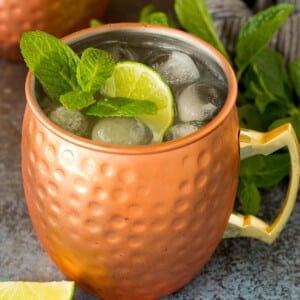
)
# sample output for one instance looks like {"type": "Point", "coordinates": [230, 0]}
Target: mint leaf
{"type": "Point", "coordinates": [257, 32]}
{"type": "Point", "coordinates": [295, 74]}
{"type": "Point", "coordinates": [52, 62]}
{"type": "Point", "coordinates": [95, 23]}
{"type": "Point", "coordinates": [272, 76]}
{"type": "Point", "coordinates": [77, 100]}
{"type": "Point", "coordinates": [149, 15]}
{"type": "Point", "coordinates": [267, 85]}
{"type": "Point", "coordinates": [249, 197]}
{"type": "Point", "coordinates": [125, 107]}
{"type": "Point", "coordinates": [93, 69]}
{"type": "Point", "coordinates": [250, 117]}
{"type": "Point", "coordinates": [265, 171]}
{"type": "Point", "coordinates": [194, 16]}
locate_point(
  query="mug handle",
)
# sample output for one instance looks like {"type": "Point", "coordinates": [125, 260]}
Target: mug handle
{"type": "Point", "coordinates": [253, 143]}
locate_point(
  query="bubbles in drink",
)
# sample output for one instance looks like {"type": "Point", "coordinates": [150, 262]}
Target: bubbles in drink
{"type": "Point", "coordinates": [73, 121]}
{"type": "Point", "coordinates": [121, 131]}
{"type": "Point", "coordinates": [175, 67]}
{"type": "Point", "coordinates": [200, 101]}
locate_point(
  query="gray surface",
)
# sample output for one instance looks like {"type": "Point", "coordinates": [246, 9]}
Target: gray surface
{"type": "Point", "coordinates": [239, 269]}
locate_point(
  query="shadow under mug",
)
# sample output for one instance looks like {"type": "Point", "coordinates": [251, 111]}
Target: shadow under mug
{"type": "Point", "coordinates": [139, 222]}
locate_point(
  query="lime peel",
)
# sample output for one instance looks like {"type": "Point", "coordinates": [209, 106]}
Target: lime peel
{"type": "Point", "coordinates": [139, 81]}
{"type": "Point", "coordinates": [19, 290]}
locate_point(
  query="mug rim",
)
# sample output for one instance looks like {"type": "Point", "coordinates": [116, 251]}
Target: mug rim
{"type": "Point", "coordinates": [229, 103]}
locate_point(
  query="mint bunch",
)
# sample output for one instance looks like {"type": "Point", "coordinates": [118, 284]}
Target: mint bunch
{"type": "Point", "coordinates": [269, 91]}
{"type": "Point", "coordinates": [74, 81]}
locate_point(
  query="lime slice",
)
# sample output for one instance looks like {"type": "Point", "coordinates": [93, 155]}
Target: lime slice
{"type": "Point", "coordinates": [137, 81]}
{"type": "Point", "coordinates": [20, 290]}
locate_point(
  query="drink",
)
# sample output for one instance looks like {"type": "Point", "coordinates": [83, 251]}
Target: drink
{"type": "Point", "coordinates": [197, 83]}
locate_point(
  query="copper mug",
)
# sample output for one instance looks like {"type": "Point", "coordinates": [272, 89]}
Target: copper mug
{"type": "Point", "coordinates": [58, 17]}
{"type": "Point", "coordinates": [139, 222]}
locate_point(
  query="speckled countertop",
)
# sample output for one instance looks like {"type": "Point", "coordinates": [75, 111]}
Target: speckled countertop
{"type": "Point", "coordinates": [239, 269]}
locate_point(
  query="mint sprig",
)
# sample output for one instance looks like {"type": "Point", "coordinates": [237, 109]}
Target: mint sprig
{"type": "Point", "coordinates": [94, 67]}
{"type": "Point", "coordinates": [194, 17]}
{"type": "Point", "coordinates": [118, 107]}
{"type": "Point", "coordinates": [256, 33]}
{"type": "Point", "coordinates": [149, 15]}
{"type": "Point", "coordinates": [77, 100]}
{"type": "Point", "coordinates": [51, 61]}
{"type": "Point", "coordinates": [75, 81]}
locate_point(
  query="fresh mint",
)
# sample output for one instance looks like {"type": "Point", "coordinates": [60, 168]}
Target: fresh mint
{"type": "Point", "coordinates": [94, 67]}
{"type": "Point", "coordinates": [77, 100]}
{"type": "Point", "coordinates": [194, 17]}
{"type": "Point", "coordinates": [117, 107]}
{"type": "Point", "coordinates": [40, 49]}
{"type": "Point", "coordinates": [265, 171]}
{"type": "Point", "coordinates": [95, 23]}
{"type": "Point", "coordinates": [266, 82]}
{"type": "Point", "coordinates": [260, 172]}
{"type": "Point", "coordinates": [149, 15]}
{"type": "Point", "coordinates": [256, 33]}
{"type": "Point", "coordinates": [249, 195]}
{"type": "Point", "coordinates": [76, 81]}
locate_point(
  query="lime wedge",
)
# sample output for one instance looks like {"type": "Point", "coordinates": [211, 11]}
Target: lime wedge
{"type": "Point", "coordinates": [20, 290]}
{"type": "Point", "coordinates": [137, 81]}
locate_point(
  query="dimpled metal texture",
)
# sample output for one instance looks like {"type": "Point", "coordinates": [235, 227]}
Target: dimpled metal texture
{"type": "Point", "coordinates": [58, 17]}
{"type": "Point", "coordinates": [144, 224]}
{"type": "Point", "coordinates": [135, 222]}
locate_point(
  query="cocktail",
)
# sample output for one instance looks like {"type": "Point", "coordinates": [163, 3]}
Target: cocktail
{"type": "Point", "coordinates": [137, 216]}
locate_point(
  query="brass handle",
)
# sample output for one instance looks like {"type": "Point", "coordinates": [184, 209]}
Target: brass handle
{"type": "Point", "coordinates": [253, 143]}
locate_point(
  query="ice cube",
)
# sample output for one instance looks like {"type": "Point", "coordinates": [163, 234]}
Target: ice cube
{"type": "Point", "coordinates": [121, 131]}
{"type": "Point", "coordinates": [182, 129]}
{"type": "Point", "coordinates": [175, 67]}
{"type": "Point", "coordinates": [47, 104]}
{"type": "Point", "coordinates": [200, 101]}
{"type": "Point", "coordinates": [122, 52]}
{"type": "Point", "coordinates": [73, 121]}
{"type": "Point", "coordinates": [211, 71]}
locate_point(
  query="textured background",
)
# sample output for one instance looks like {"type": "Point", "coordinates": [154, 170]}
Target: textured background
{"type": "Point", "coordinates": [239, 269]}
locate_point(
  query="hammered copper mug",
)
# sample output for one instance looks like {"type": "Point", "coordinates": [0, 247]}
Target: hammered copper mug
{"type": "Point", "coordinates": [57, 17]}
{"type": "Point", "coordinates": [139, 222]}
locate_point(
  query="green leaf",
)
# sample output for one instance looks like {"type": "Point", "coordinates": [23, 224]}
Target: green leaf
{"type": "Point", "coordinates": [250, 117]}
{"type": "Point", "coordinates": [295, 74]}
{"type": "Point", "coordinates": [270, 81]}
{"type": "Point", "coordinates": [77, 100]}
{"type": "Point", "coordinates": [125, 107]}
{"type": "Point", "coordinates": [194, 16]}
{"type": "Point", "coordinates": [249, 197]}
{"type": "Point", "coordinates": [265, 171]}
{"type": "Point", "coordinates": [257, 32]}
{"type": "Point", "coordinates": [95, 23]}
{"type": "Point", "coordinates": [149, 15]}
{"type": "Point", "coordinates": [272, 74]}
{"type": "Point", "coordinates": [53, 62]}
{"type": "Point", "coordinates": [93, 69]}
